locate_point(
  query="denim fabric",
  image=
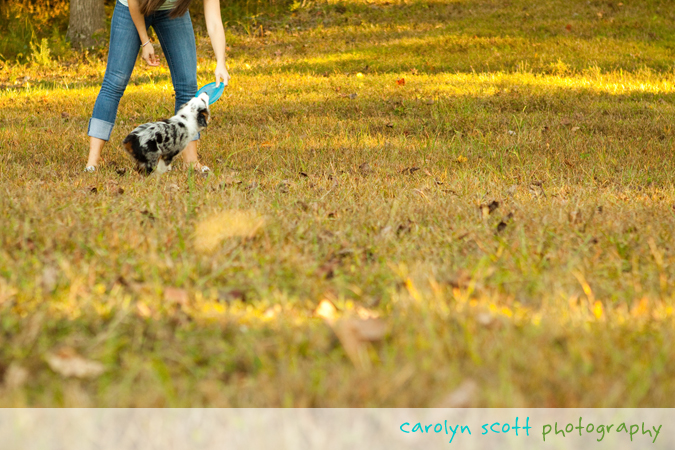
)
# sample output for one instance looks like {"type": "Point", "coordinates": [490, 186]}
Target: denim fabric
{"type": "Point", "coordinates": [178, 44]}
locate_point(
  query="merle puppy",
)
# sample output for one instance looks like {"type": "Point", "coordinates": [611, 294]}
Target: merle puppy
{"type": "Point", "coordinates": [154, 145]}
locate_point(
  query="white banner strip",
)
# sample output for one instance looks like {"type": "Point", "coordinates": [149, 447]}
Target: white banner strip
{"type": "Point", "coordinates": [326, 429]}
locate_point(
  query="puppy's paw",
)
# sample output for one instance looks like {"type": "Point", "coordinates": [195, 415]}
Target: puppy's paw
{"type": "Point", "coordinates": [162, 167]}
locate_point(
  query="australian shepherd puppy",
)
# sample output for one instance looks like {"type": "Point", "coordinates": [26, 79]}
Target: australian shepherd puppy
{"type": "Point", "coordinates": [154, 145]}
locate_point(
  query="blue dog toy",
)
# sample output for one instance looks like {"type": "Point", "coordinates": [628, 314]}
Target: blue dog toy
{"type": "Point", "coordinates": [214, 92]}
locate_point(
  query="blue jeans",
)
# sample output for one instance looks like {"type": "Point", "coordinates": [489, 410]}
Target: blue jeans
{"type": "Point", "coordinates": [178, 44]}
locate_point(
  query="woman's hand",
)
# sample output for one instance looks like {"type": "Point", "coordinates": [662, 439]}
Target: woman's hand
{"type": "Point", "coordinates": [222, 74]}
{"type": "Point", "coordinates": [149, 55]}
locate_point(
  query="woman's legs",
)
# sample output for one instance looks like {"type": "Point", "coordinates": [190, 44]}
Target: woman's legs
{"type": "Point", "coordinates": [178, 44]}
{"type": "Point", "coordinates": [122, 54]}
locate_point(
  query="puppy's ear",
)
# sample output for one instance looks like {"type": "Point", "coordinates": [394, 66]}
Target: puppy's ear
{"type": "Point", "coordinates": [203, 117]}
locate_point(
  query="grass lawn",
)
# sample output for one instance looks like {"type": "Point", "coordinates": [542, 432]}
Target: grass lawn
{"type": "Point", "coordinates": [413, 203]}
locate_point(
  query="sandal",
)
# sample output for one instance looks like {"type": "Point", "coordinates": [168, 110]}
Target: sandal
{"type": "Point", "coordinates": [90, 169]}
{"type": "Point", "coordinates": [197, 167]}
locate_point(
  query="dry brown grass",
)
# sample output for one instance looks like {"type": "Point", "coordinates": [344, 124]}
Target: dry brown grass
{"type": "Point", "coordinates": [511, 225]}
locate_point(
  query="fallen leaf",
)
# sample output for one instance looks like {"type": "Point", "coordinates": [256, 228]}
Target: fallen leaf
{"type": "Point", "coordinates": [143, 310]}
{"type": "Point", "coordinates": [487, 209]}
{"type": "Point", "coordinates": [68, 363]}
{"type": "Point", "coordinates": [484, 319]}
{"type": "Point", "coordinates": [568, 27]}
{"type": "Point", "coordinates": [410, 170]}
{"type": "Point", "coordinates": [49, 278]}
{"type": "Point", "coordinates": [464, 396]}
{"type": "Point", "coordinates": [461, 158]}
{"type": "Point", "coordinates": [229, 182]}
{"type": "Point", "coordinates": [575, 129]}
{"type": "Point", "coordinates": [283, 187]}
{"type": "Point", "coordinates": [354, 334]}
{"type": "Point", "coordinates": [231, 295]}
{"type": "Point", "coordinates": [210, 232]}
{"type": "Point", "coordinates": [326, 310]}
{"type": "Point", "coordinates": [494, 204]}
{"type": "Point", "coordinates": [6, 292]}
{"type": "Point", "coordinates": [575, 216]}
{"type": "Point", "coordinates": [461, 279]}
{"type": "Point", "coordinates": [15, 376]}
{"type": "Point", "coordinates": [113, 188]}
{"type": "Point", "coordinates": [148, 214]}
{"type": "Point", "coordinates": [272, 312]}
{"type": "Point", "coordinates": [364, 313]}
{"type": "Point", "coordinates": [537, 188]}
{"type": "Point", "coordinates": [404, 227]}
{"type": "Point", "coordinates": [365, 168]}
{"type": "Point", "coordinates": [401, 82]}
{"type": "Point", "coordinates": [501, 226]}
{"type": "Point", "coordinates": [176, 295]}
{"type": "Point", "coordinates": [369, 330]}
{"type": "Point", "coordinates": [327, 269]}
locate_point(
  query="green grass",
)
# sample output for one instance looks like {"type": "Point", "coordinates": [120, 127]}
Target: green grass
{"type": "Point", "coordinates": [375, 194]}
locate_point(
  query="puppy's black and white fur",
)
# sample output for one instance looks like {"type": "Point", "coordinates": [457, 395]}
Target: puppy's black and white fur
{"type": "Point", "coordinates": [154, 145]}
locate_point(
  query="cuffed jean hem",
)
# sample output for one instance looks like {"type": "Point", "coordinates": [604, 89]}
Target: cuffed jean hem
{"type": "Point", "coordinates": [100, 129]}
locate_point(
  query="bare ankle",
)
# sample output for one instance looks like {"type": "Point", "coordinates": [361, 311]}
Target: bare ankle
{"type": "Point", "coordinates": [95, 147]}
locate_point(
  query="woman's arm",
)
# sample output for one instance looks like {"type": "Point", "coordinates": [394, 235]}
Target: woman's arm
{"type": "Point", "coordinates": [148, 50]}
{"type": "Point", "coordinates": [214, 25]}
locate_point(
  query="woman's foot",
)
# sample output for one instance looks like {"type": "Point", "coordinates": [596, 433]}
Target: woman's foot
{"type": "Point", "coordinates": [191, 159]}
{"type": "Point", "coordinates": [95, 147]}
{"type": "Point", "coordinates": [197, 167]}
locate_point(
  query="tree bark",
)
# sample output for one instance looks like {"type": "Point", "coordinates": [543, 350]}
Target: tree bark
{"type": "Point", "coordinates": [87, 17]}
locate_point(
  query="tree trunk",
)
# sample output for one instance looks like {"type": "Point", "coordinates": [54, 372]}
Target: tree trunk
{"type": "Point", "coordinates": [87, 17]}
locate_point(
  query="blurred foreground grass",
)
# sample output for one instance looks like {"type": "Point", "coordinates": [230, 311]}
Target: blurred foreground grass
{"type": "Point", "coordinates": [412, 204]}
